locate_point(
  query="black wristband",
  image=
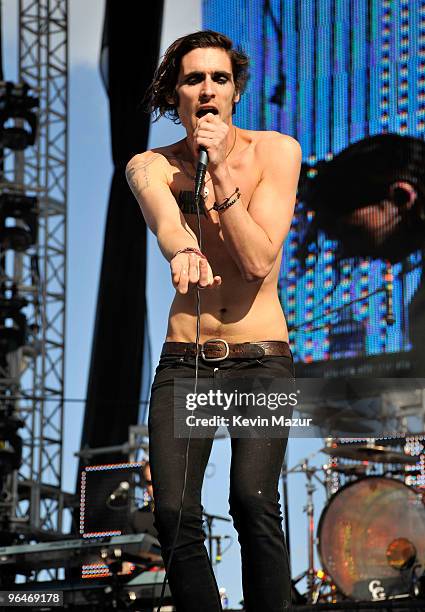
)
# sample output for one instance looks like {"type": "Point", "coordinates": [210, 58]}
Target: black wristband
{"type": "Point", "coordinates": [228, 202]}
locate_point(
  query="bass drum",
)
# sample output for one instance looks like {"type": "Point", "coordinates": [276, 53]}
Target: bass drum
{"type": "Point", "coordinates": [366, 524]}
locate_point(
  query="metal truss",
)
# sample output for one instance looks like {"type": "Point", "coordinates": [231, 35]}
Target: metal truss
{"type": "Point", "coordinates": [33, 379]}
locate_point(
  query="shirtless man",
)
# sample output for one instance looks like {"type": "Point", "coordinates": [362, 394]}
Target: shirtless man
{"type": "Point", "coordinates": [199, 81]}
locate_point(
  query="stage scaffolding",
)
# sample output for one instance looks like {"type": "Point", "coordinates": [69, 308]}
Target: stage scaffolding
{"type": "Point", "coordinates": [32, 379]}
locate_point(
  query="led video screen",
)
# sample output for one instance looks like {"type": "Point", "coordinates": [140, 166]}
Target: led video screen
{"type": "Point", "coordinates": [347, 80]}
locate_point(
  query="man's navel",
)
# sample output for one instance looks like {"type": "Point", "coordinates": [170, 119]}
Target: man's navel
{"type": "Point", "coordinates": [222, 314]}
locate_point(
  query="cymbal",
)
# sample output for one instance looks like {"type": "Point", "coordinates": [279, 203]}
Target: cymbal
{"type": "Point", "coordinates": [404, 472]}
{"type": "Point", "coordinates": [362, 452]}
{"type": "Point", "coordinates": [333, 411]}
{"type": "Point", "coordinates": [349, 470]}
{"type": "Point", "coordinates": [338, 420]}
{"type": "Point", "coordinates": [340, 426]}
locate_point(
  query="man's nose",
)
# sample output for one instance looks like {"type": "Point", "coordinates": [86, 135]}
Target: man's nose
{"type": "Point", "coordinates": [207, 90]}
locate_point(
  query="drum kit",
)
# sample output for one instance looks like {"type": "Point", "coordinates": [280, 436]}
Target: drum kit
{"type": "Point", "coordinates": [371, 533]}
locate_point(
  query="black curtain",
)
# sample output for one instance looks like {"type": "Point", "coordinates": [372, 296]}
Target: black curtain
{"type": "Point", "coordinates": [1, 41]}
{"type": "Point", "coordinates": [130, 48]}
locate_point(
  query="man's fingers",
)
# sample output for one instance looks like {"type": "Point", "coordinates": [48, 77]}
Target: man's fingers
{"type": "Point", "coordinates": [204, 142]}
{"type": "Point", "coordinates": [184, 280]}
{"type": "Point", "coordinates": [203, 273]}
{"type": "Point", "coordinates": [195, 271]}
{"type": "Point", "coordinates": [208, 118]}
{"type": "Point", "coordinates": [193, 268]}
{"type": "Point", "coordinates": [179, 276]}
{"type": "Point", "coordinates": [175, 275]}
{"type": "Point", "coordinates": [180, 272]}
{"type": "Point", "coordinates": [215, 282]}
{"type": "Point", "coordinates": [206, 129]}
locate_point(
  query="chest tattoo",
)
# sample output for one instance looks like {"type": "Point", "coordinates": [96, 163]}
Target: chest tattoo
{"type": "Point", "coordinates": [186, 203]}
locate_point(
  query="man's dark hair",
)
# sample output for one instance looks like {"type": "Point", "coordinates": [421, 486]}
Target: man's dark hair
{"type": "Point", "coordinates": [162, 88]}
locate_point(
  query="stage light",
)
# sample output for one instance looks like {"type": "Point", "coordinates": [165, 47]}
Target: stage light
{"type": "Point", "coordinates": [13, 323]}
{"type": "Point", "coordinates": [23, 211]}
{"type": "Point", "coordinates": [10, 443]}
{"type": "Point", "coordinates": [16, 103]}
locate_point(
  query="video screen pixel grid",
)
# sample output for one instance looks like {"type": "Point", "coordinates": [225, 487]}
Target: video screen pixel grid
{"type": "Point", "coordinates": [331, 74]}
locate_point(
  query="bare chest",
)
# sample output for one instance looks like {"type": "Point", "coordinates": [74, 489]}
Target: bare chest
{"type": "Point", "coordinates": [182, 188]}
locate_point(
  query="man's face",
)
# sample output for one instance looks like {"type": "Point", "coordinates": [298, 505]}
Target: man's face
{"type": "Point", "coordinates": [383, 220]}
{"type": "Point", "coordinates": [387, 229]}
{"type": "Point", "coordinates": [205, 84]}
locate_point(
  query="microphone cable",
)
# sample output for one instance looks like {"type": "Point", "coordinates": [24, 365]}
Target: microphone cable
{"type": "Point", "coordinates": [199, 181]}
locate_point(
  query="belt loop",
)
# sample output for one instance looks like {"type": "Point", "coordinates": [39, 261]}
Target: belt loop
{"type": "Point", "coordinates": [190, 351]}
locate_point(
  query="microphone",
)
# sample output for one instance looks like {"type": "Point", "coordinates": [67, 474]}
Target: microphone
{"type": "Point", "coordinates": [218, 551]}
{"type": "Point", "coordinates": [203, 156]}
{"type": "Point", "coordinates": [119, 496]}
{"type": "Point", "coordinates": [201, 169]}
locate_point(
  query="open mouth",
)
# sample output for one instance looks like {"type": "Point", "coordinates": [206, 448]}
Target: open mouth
{"type": "Point", "coordinates": [203, 111]}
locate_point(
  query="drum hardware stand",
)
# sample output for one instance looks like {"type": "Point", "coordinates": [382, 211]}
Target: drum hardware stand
{"type": "Point", "coordinates": [309, 510]}
{"type": "Point", "coordinates": [411, 410]}
{"type": "Point", "coordinates": [418, 581]}
{"type": "Point", "coordinates": [209, 518]}
{"type": "Point", "coordinates": [219, 552]}
{"type": "Point", "coordinates": [285, 498]}
{"type": "Point", "coordinates": [310, 573]}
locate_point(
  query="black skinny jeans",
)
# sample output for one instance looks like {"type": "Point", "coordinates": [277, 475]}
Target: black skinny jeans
{"type": "Point", "coordinates": [254, 496]}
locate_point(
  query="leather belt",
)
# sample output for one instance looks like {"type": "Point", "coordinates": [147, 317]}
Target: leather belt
{"type": "Point", "coordinates": [218, 349]}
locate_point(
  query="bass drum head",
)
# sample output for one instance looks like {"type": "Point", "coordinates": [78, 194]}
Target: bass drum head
{"type": "Point", "coordinates": [356, 529]}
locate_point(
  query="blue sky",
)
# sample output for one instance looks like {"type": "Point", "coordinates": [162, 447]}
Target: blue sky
{"type": "Point", "coordinates": [90, 171]}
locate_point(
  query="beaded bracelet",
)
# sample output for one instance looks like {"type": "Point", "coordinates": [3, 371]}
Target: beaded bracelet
{"type": "Point", "coordinates": [189, 250]}
{"type": "Point", "coordinates": [228, 202]}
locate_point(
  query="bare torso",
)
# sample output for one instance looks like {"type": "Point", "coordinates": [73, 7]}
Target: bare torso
{"type": "Point", "coordinates": [237, 310]}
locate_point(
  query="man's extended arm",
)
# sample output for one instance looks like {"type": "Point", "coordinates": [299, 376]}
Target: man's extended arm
{"type": "Point", "coordinates": [255, 235]}
{"type": "Point", "coordinates": [147, 177]}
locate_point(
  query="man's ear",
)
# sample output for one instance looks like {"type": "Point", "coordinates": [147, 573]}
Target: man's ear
{"type": "Point", "coordinates": [173, 100]}
{"type": "Point", "coordinates": [236, 97]}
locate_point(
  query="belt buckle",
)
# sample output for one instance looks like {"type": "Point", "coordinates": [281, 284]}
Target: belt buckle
{"type": "Point", "coordinates": [215, 358]}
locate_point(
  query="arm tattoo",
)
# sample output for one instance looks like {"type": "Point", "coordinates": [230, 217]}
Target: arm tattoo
{"type": "Point", "coordinates": [138, 175]}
